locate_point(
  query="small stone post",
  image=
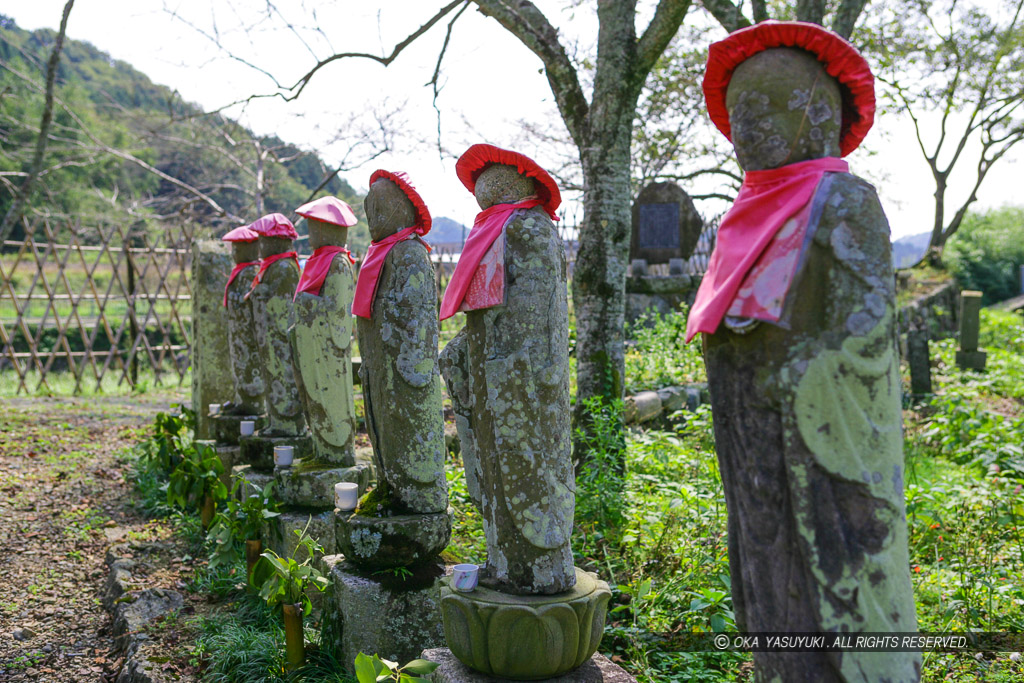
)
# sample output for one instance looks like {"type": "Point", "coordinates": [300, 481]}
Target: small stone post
{"type": "Point", "coordinates": [968, 357]}
{"type": "Point", "coordinates": [920, 363]}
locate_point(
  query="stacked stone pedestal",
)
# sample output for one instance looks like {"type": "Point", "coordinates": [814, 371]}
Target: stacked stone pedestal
{"type": "Point", "coordinates": [526, 637]}
{"type": "Point", "coordinates": [393, 616]}
{"type": "Point", "coordinates": [599, 669]}
{"type": "Point", "coordinates": [969, 356]}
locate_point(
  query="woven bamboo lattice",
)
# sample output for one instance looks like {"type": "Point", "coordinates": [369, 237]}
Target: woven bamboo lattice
{"type": "Point", "coordinates": [94, 302]}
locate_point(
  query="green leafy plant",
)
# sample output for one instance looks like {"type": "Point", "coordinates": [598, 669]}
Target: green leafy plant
{"type": "Point", "coordinates": [196, 477]}
{"type": "Point", "coordinates": [284, 580]}
{"type": "Point", "coordinates": [172, 437]}
{"type": "Point", "coordinates": [247, 509]}
{"type": "Point", "coordinates": [373, 669]}
{"type": "Point", "coordinates": [600, 481]}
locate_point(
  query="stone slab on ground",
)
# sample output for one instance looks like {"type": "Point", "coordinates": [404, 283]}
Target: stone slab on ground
{"type": "Point", "coordinates": [598, 669]}
{"type": "Point", "coordinates": [283, 527]}
{"type": "Point", "coordinates": [380, 613]}
{"type": "Point", "coordinates": [311, 484]}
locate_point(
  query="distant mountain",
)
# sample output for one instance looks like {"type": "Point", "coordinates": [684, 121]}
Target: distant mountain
{"type": "Point", "coordinates": [446, 231]}
{"type": "Point", "coordinates": [908, 250]}
{"type": "Point", "coordinates": [121, 107]}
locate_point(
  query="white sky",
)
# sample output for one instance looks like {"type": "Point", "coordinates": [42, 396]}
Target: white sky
{"type": "Point", "coordinates": [491, 82]}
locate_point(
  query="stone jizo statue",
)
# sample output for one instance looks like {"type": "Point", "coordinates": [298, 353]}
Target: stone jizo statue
{"type": "Point", "coordinates": [798, 315]}
{"type": "Point", "coordinates": [245, 363]}
{"type": "Point", "coordinates": [321, 336]}
{"type": "Point", "coordinates": [271, 296]}
{"type": "Point", "coordinates": [396, 308]}
{"type": "Point", "coordinates": [508, 372]}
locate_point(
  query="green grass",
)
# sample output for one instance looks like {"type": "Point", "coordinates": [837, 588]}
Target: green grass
{"type": "Point", "coordinates": [62, 383]}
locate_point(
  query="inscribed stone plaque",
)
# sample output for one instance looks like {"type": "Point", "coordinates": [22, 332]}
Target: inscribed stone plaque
{"type": "Point", "coordinates": [658, 226]}
{"type": "Point", "coordinates": [666, 224]}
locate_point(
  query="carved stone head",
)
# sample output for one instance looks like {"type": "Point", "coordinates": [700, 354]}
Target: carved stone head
{"type": "Point", "coordinates": [388, 209]}
{"type": "Point", "coordinates": [245, 252]}
{"type": "Point", "coordinates": [326, 234]}
{"type": "Point", "coordinates": [502, 184]}
{"type": "Point", "coordinates": [274, 245]}
{"type": "Point", "coordinates": [783, 108]}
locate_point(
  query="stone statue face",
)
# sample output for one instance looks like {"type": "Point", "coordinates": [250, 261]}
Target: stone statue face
{"type": "Point", "coordinates": [326, 234]}
{"type": "Point", "coordinates": [783, 108]}
{"type": "Point", "coordinates": [274, 245]}
{"type": "Point", "coordinates": [245, 252]}
{"type": "Point", "coordinates": [502, 184]}
{"type": "Point", "coordinates": [387, 209]}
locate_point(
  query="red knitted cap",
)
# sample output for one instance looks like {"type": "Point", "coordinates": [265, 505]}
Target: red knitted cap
{"type": "Point", "coordinates": [274, 225]}
{"type": "Point", "coordinates": [423, 220]}
{"type": "Point", "coordinates": [841, 61]}
{"type": "Point", "coordinates": [478, 157]}
{"type": "Point", "coordinates": [241, 234]}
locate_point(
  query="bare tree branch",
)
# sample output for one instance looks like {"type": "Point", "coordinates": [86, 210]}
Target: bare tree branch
{"type": "Point", "coordinates": [531, 27]}
{"type": "Point", "coordinates": [666, 21]}
{"type": "Point", "coordinates": [727, 14]}
{"type": "Point", "coordinates": [17, 208]}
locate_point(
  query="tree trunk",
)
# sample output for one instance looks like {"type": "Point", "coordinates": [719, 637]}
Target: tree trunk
{"type": "Point", "coordinates": [599, 275]}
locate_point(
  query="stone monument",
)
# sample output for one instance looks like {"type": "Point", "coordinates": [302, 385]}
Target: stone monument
{"type": "Point", "coordinates": [320, 340]}
{"type": "Point", "coordinates": [247, 402]}
{"type": "Point", "coordinates": [797, 308]}
{"type": "Point", "coordinates": [968, 356]}
{"type": "Point", "coordinates": [211, 371]}
{"type": "Point", "coordinates": [666, 229]}
{"type": "Point", "coordinates": [385, 586]}
{"type": "Point", "coordinates": [534, 614]}
{"type": "Point", "coordinates": [271, 296]}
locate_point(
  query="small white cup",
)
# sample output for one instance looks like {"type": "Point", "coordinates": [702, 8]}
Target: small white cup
{"type": "Point", "coordinates": [465, 577]}
{"type": "Point", "coordinates": [346, 496]}
{"type": "Point", "coordinates": [247, 427]}
{"type": "Point", "coordinates": [214, 408]}
{"type": "Point", "coordinates": [283, 456]}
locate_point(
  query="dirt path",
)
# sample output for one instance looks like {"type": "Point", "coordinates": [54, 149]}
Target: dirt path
{"type": "Point", "coordinates": [62, 494]}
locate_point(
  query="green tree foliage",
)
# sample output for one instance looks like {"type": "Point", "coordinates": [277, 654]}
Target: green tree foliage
{"type": "Point", "coordinates": [987, 252]}
{"type": "Point", "coordinates": [121, 144]}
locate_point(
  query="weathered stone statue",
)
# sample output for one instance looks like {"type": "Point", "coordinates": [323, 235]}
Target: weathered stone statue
{"type": "Point", "coordinates": [271, 298]}
{"type": "Point", "coordinates": [406, 515]}
{"type": "Point", "coordinates": [405, 521]}
{"type": "Point", "coordinates": [797, 308]}
{"type": "Point", "coordinates": [321, 336]}
{"type": "Point", "coordinates": [508, 376]}
{"type": "Point", "coordinates": [245, 364]}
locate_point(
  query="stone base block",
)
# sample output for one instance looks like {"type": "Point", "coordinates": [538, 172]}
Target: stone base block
{"type": "Point", "coordinates": [226, 429]}
{"type": "Point", "coordinates": [228, 457]}
{"type": "Point", "coordinates": [258, 451]}
{"type": "Point", "coordinates": [311, 484]}
{"type": "Point", "coordinates": [282, 536]}
{"type": "Point", "coordinates": [383, 614]}
{"type": "Point", "coordinates": [257, 478]}
{"type": "Point", "coordinates": [598, 669]}
{"type": "Point", "coordinates": [971, 360]}
{"type": "Point", "coordinates": [526, 637]}
{"type": "Point", "coordinates": [375, 543]}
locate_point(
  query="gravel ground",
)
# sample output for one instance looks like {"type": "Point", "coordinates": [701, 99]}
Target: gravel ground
{"type": "Point", "coordinates": [63, 500]}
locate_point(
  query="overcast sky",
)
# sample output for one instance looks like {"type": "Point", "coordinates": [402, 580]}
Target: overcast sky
{"type": "Point", "coordinates": [491, 82]}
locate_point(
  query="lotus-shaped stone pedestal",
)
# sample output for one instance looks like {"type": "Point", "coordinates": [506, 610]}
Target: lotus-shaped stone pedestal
{"type": "Point", "coordinates": [525, 637]}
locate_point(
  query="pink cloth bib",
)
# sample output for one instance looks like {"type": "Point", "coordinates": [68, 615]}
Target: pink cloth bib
{"type": "Point", "coordinates": [234, 273]}
{"type": "Point", "coordinates": [369, 271]}
{"type": "Point", "coordinates": [270, 260]}
{"type": "Point", "coordinates": [757, 250]}
{"type": "Point", "coordinates": [487, 228]}
{"type": "Point", "coordinates": [316, 268]}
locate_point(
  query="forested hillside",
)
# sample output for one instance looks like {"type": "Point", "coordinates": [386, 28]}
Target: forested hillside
{"type": "Point", "coordinates": [124, 148]}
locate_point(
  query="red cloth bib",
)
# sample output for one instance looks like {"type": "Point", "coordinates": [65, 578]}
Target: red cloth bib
{"type": "Point", "coordinates": [369, 271]}
{"type": "Point", "coordinates": [486, 229]}
{"type": "Point", "coordinates": [763, 210]}
{"type": "Point", "coordinates": [267, 262]}
{"type": "Point", "coordinates": [316, 268]}
{"type": "Point", "coordinates": [234, 273]}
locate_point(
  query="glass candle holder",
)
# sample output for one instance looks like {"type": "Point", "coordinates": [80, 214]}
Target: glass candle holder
{"type": "Point", "coordinates": [283, 456]}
